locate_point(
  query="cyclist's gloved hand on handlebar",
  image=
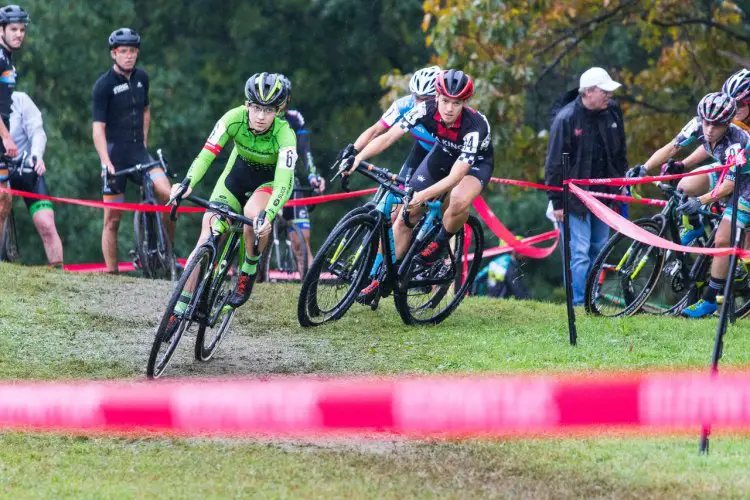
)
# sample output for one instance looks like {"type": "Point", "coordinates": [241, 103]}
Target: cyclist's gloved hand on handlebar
{"type": "Point", "coordinates": [348, 151]}
{"type": "Point", "coordinates": [637, 171]}
{"type": "Point", "coordinates": [672, 167]}
{"type": "Point", "coordinates": [690, 206]}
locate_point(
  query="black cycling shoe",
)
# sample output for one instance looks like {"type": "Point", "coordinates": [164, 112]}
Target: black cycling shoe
{"type": "Point", "coordinates": [431, 254]}
{"type": "Point", "coordinates": [242, 291]}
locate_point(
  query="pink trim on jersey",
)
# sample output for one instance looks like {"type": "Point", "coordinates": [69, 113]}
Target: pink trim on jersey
{"type": "Point", "coordinates": [214, 149]}
{"type": "Point", "coordinates": [384, 123]}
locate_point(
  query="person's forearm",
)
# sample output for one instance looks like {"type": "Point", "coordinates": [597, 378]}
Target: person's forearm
{"type": "Point", "coordinates": [377, 146]}
{"type": "Point", "coordinates": [368, 135]}
{"type": "Point", "coordinates": [100, 142]}
{"type": "Point", "coordinates": [4, 132]}
{"type": "Point", "coordinates": [696, 157]}
{"type": "Point", "coordinates": [724, 189]}
{"type": "Point", "coordinates": [660, 156]}
{"type": "Point", "coordinates": [146, 124]}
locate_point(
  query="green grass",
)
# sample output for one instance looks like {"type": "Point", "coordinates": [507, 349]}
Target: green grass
{"type": "Point", "coordinates": [62, 326]}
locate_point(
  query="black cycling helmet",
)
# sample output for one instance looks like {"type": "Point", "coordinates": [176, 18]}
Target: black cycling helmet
{"type": "Point", "coordinates": [13, 14]}
{"type": "Point", "coordinates": [124, 37]}
{"type": "Point", "coordinates": [454, 84]}
{"type": "Point", "coordinates": [266, 89]}
{"type": "Point", "coordinates": [718, 108]}
{"type": "Point", "coordinates": [288, 84]}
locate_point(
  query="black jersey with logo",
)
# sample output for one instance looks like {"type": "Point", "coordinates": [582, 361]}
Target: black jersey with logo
{"type": "Point", "coordinates": [120, 102]}
{"type": "Point", "coordinates": [7, 83]}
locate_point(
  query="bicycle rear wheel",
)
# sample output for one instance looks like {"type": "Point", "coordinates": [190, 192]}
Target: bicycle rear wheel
{"type": "Point", "coordinates": [173, 325]}
{"type": "Point", "coordinates": [9, 246]}
{"type": "Point", "coordinates": [624, 274]}
{"type": "Point", "coordinates": [338, 271]}
{"type": "Point", "coordinates": [428, 295]}
{"type": "Point", "coordinates": [142, 231]}
{"type": "Point", "coordinates": [220, 315]}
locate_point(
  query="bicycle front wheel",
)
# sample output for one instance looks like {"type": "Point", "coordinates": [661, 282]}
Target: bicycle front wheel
{"type": "Point", "coordinates": [624, 274]}
{"type": "Point", "coordinates": [174, 324]}
{"type": "Point", "coordinates": [142, 235]}
{"type": "Point", "coordinates": [299, 261]}
{"type": "Point", "coordinates": [338, 271]}
{"type": "Point", "coordinates": [428, 295]}
{"type": "Point", "coordinates": [216, 295]}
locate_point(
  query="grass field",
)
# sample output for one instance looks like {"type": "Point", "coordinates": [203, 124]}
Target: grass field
{"type": "Point", "coordinates": [62, 326]}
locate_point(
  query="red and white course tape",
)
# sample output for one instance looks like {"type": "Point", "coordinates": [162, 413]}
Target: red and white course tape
{"type": "Point", "coordinates": [414, 407]}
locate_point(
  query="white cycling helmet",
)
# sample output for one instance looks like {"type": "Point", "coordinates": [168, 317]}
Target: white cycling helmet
{"type": "Point", "coordinates": [738, 86]}
{"type": "Point", "coordinates": [422, 81]}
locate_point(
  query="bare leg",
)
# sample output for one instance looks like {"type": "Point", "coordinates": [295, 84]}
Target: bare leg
{"type": "Point", "coordinates": [44, 220]}
{"type": "Point", "coordinates": [109, 238]}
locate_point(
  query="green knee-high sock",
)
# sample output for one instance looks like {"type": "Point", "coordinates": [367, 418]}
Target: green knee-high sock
{"type": "Point", "coordinates": [250, 265]}
{"type": "Point", "coordinates": [183, 302]}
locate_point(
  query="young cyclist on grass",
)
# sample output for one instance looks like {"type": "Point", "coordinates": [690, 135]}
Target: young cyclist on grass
{"type": "Point", "coordinates": [459, 164]}
{"type": "Point", "coordinates": [725, 142]}
{"type": "Point", "coordinates": [258, 176]}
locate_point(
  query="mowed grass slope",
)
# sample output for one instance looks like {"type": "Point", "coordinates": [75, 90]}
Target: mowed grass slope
{"type": "Point", "coordinates": [55, 325]}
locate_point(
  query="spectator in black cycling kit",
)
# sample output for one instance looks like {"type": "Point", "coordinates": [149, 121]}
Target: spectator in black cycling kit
{"type": "Point", "coordinates": [121, 119]}
{"type": "Point", "coordinates": [459, 165]}
{"type": "Point", "coordinates": [299, 216]}
{"type": "Point", "coordinates": [13, 22]}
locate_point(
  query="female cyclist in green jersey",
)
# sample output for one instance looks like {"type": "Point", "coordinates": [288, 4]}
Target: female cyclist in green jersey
{"type": "Point", "coordinates": [259, 174]}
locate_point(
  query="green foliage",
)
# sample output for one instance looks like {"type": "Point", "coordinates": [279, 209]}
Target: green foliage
{"type": "Point", "coordinates": [198, 57]}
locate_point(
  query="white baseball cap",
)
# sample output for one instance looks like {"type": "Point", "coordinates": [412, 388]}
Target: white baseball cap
{"type": "Point", "coordinates": [598, 77]}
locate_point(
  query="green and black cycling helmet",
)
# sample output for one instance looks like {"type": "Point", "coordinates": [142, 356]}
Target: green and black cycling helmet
{"type": "Point", "coordinates": [267, 89]}
{"type": "Point", "coordinates": [717, 108]}
{"type": "Point", "coordinates": [124, 37]}
{"type": "Point", "coordinates": [11, 14]}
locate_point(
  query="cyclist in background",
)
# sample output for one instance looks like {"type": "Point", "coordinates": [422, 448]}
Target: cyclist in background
{"type": "Point", "coordinates": [714, 130]}
{"type": "Point", "coordinates": [258, 177]}
{"type": "Point", "coordinates": [121, 121]}
{"type": "Point", "coordinates": [27, 131]}
{"type": "Point", "coordinates": [13, 22]}
{"type": "Point", "coordinates": [300, 215]}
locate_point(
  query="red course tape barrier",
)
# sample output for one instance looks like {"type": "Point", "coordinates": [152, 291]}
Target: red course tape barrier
{"type": "Point", "coordinates": [489, 406]}
{"type": "Point", "coordinates": [313, 200]}
{"type": "Point", "coordinates": [509, 238]}
{"type": "Point", "coordinates": [624, 226]}
{"type": "Point", "coordinates": [625, 181]}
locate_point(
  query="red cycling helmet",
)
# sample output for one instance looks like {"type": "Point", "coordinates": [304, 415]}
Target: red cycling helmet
{"type": "Point", "coordinates": [454, 84]}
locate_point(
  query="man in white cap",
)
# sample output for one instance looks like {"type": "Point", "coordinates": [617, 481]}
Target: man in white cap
{"type": "Point", "coordinates": [591, 129]}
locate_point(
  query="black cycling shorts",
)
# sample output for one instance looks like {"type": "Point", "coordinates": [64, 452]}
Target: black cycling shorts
{"type": "Point", "coordinates": [123, 156]}
{"type": "Point", "coordinates": [32, 183]}
{"type": "Point", "coordinates": [416, 156]}
{"type": "Point", "coordinates": [437, 165]}
{"type": "Point", "coordinates": [238, 183]}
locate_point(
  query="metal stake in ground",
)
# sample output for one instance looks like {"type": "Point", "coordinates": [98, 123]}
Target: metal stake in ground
{"type": "Point", "coordinates": [566, 253]}
{"type": "Point", "coordinates": [727, 308]}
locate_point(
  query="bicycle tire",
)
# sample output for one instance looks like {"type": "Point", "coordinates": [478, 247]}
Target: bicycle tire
{"type": "Point", "coordinates": [409, 279]}
{"type": "Point", "coordinates": [264, 264]}
{"type": "Point", "coordinates": [350, 270]}
{"type": "Point", "coordinates": [202, 261]}
{"type": "Point", "coordinates": [9, 247]}
{"type": "Point", "coordinates": [140, 227]}
{"type": "Point", "coordinates": [636, 251]}
{"type": "Point", "coordinates": [216, 297]}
